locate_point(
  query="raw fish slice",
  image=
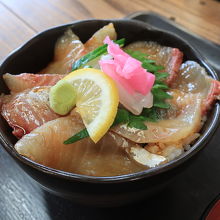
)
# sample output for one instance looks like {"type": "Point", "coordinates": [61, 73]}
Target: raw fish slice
{"type": "Point", "coordinates": [18, 83]}
{"type": "Point", "coordinates": [213, 95]}
{"type": "Point", "coordinates": [182, 120]}
{"type": "Point", "coordinates": [170, 58]}
{"type": "Point", "coordinates": [67, 49]}
{"type": "Point", "coordinates": [27, 110]}
{"type": "Point", "coordinates": [194, 79]}
{"type": "Point", "coordinates": [44, 145]}
{"type": "Point", "coordinates": [97, 39]}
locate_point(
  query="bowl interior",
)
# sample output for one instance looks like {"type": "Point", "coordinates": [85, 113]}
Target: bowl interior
{"type": "Point", "coordinates": [36, 53]}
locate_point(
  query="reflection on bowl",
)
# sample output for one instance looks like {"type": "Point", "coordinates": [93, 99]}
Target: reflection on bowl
{"type": "Point", "coordinates": [105, 191]}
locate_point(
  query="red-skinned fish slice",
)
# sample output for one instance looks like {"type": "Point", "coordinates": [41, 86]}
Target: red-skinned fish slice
{"type": "Point", "coordinates": [174, 65]}
{"type": "Point", "coordinates": [193, 78]}
{"type": "Point", "coordinates": [214, 93]}
{"type": "Point", "coordinates": [18, 83]}
{"type": "Point", "coordinates": [170, 58]}
{"type": "Point", "coordinates": [27, 110]}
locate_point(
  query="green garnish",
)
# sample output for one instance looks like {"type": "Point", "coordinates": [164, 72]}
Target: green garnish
{"type": "Point", "coordinates": [121, 117]}
{"type": "Point", "coordinates": [94, 54]}
{"type": "Point", "coordinates": [137, 122]}
{"type": "Point", "coordinates": [151, 114]}
{"type": "Point", "coordinates": [159, 88]}
{"type": "Point", "coordinates": [78, 136]}
{"type": "Point", "coordinates": [146, 63]}
{"type": "Point", "coordinates": [134, 121]}
{"type": "Point", "coordinates": [161, 75]}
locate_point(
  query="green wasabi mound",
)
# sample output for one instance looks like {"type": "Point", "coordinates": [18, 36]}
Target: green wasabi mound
{"type": "Point", "coordinates": [62, 97]}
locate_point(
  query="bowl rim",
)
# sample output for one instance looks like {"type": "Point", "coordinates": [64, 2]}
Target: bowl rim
{"type": "Point", "coordinates": [197, 146]}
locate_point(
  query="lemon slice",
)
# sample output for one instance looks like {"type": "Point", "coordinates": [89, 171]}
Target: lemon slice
{"type": "Point", "coordinates": [96, 100]}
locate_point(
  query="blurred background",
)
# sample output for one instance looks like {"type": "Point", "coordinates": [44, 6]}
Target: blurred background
{"type": "Point", "coordinates": [19, 20]}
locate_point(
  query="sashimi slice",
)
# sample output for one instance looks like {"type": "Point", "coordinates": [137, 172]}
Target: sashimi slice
{"type": "Point", "coordinates": [18, 83]}
{"type": "Point", "coordinates": [170, 58]}
{"type": "Point", "coordinates": [182, 120]}
{"type": "Point", "coordinates": [67, 50]}
{"type": "Point", "coordinates": [99, 36]}
{"type": "Point", "coordinates": [27, 110]}
{"type": "Point", "coordinates": [194, 79]}
{"type": "Point", "coordinates": [214, 94]}
{"type": "Point", "coordinates": [44, 145]}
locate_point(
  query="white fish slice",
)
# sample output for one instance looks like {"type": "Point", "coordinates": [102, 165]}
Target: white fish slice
{"type": "Point", "coordinates": [44, 145]}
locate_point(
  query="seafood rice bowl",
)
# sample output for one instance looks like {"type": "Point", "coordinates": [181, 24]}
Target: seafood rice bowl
{"type": "Point", "coordinates": [109, 104]}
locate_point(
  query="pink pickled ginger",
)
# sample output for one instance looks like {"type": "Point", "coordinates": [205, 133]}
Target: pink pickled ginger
{"type": "Point", "coordinates": [129, 76]}
{"type": "Point", "coordinates": [126, 69]}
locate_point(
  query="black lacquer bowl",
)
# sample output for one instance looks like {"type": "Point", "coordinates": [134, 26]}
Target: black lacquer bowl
{"type": "Point", "coordinates": [102, 191]}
